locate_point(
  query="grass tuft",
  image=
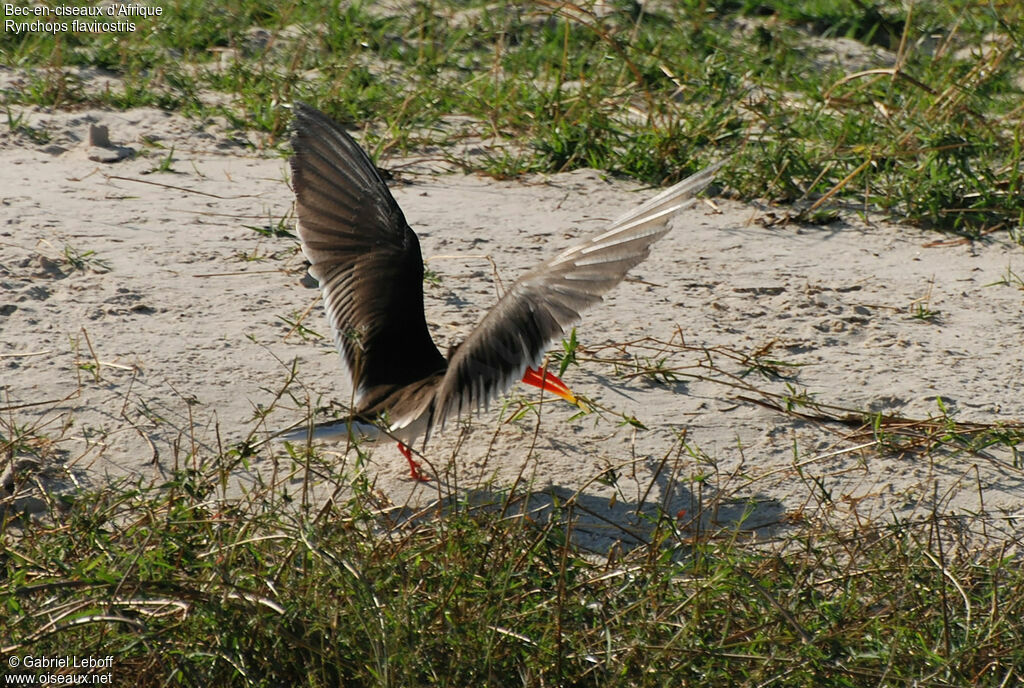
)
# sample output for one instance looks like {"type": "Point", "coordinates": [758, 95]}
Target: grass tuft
{"type": "Point", "coordinates": [913, 110]}
{"type": "Point", "coordinates": [183, 586]}
{"type": "Point", "coordinates": [230, 571]}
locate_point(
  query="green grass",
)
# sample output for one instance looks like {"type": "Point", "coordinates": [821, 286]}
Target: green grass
{"type": "Point", "coordinates": [929, 132]}
{"type": "Point", "coordinates": [76, 259]}
{"type": "Point", "coordinates": [184, 587]}
{"type": "Point", "coordinates": [205, 579]}
{"type": "Point", "coordinates": [187, 585]}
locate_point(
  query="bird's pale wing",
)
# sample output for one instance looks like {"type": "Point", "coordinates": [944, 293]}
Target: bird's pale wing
{"type": "Point", "coordinates": [545, 301]}
{"type": "Point", "coordinates": [364, 255]}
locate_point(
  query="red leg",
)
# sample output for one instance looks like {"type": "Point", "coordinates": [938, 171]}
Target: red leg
{"type": "Point", "coordinates": [414, 466]}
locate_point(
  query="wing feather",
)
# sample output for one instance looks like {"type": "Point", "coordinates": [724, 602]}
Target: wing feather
{"type": "Point", "coordinates": [365, 256]}
{"type": "Point", "coordinates": [368, 262]}
{"type": "Point", "coordinates": [547, 300]}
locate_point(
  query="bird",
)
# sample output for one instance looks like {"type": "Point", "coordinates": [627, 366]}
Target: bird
{"type": "Point", "coordinates": [370, 270]}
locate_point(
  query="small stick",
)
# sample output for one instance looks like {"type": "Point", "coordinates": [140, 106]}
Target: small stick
{"type": "Point", "coordinates": [180, 188]}
{"type": "Point", "coordinates": [302, 317]}
{"type": "Point", "coordinates": [27, 354]}
{"type": "Point", "coordinates": [240, 272]}
{"type": "Point", "coordinates": [96, 373]}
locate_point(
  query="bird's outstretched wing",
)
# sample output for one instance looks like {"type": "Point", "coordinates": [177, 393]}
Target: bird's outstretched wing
{"type": "Point", "coordinates": [548, 299]}
{"type": "Point", "coordinates": [364, 254]}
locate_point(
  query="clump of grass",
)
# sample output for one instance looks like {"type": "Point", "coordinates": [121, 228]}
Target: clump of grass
{"type": "Point", "coordinates": [166, 164]}
{"type": "Point", "coordinates": [431, 276]}
{"type": "Point", "coordinates": [1009, 279]}
{"type": "Point", "coordinates": [77, 259]}
{"type": "Point", "coordinates": [183, 585]}
{"type": "Point", "coordinates": [921, 308]}
{"type": "Point", "coordinates": [18, 124]}
{"type": "Point", "coordinates": [924, 124]}
{"type": "Point", "coordinates": [280, 228]}
{"type": "Point", "coordinates": [301, 573]}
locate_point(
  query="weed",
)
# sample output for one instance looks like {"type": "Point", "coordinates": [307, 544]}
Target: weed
{"type": "Point", "coordinates": [567, 356]}
{"type": "Point", "coordinates": [924, 314]}
{"type": "Point", "coordinates": [1009, 279]}
{"type": "Point", "coordinates": [179, 582]}
{"type": "Point", "coordinates": [191, 580]}
{"type": "Point", "coordinates": [920, 308]}
{"type": "Point", "coordinates": [166, 164]}
{"type": "Point", "coordinates": [294, 321]}
{"type": "Point", "coordinates": [279, 229]}
{"type": "Point", "coordinates": [17, 124]}
{"type": "Point", "coordinates": [84, 260]}
{"type": "Point", "coordinates": [431, 276]}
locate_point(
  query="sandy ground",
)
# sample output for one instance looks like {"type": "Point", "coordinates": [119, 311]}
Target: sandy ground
{"type": "Point", "coordinates": [184, 308]}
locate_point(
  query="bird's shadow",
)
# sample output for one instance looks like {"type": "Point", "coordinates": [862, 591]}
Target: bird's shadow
{"type": "Point", "coordinates": [602, 526]}
{"type": "Point", "coordinates": [455, 301]}
{"type": "Point", "coordinates": [599, 519]}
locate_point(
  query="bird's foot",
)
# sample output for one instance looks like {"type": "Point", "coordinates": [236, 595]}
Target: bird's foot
{"type": "Point", "coordinates": [414, 466]}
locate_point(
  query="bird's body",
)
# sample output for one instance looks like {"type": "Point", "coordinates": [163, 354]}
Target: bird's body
{"type": "Point", "coordinates": [368, 262]}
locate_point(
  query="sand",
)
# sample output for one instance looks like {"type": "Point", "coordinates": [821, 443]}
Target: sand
{"type": "Point", "coordinates": [171, 338]}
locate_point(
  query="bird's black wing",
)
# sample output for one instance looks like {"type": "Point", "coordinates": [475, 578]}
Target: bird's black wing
{"type": "Point", "coordinates": [364, 254]}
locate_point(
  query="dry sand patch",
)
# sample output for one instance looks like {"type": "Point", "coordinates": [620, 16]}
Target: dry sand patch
{"type": "Point", "coordinates": [157, 277]}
